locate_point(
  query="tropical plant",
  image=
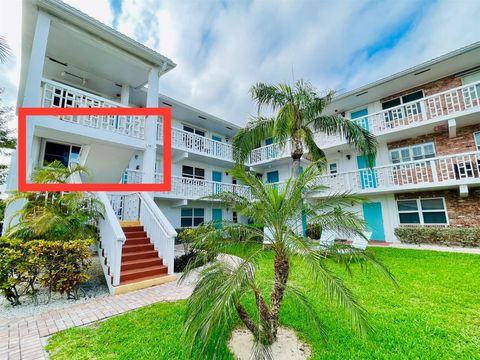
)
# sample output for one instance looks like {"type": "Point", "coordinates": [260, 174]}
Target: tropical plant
{"type": "Point", "coordinates": [55, 215]}
{"type": "Point", "coordinates": [223, 285]}
{"type": "Point", "coordinates": [298, 110]}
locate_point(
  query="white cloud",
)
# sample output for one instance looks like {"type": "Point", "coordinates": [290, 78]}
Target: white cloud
{"type": "Point", "coordinates": [223, 47]}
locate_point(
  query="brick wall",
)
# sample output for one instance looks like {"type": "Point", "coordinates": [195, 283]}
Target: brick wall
{"type": "Point", "coordinates": [463, 142]}
{"type": "Point", "coordinates": [431, 88]}
{"type": "Point", "coordinates": [462, 212]}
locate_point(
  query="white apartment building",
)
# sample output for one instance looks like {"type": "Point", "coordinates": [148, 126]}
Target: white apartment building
{"type": "Point", "coordinates": [426, 120]}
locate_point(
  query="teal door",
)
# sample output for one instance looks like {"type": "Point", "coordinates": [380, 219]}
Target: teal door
{"type": "Point", "coordinates": [368, 176]}
{"type": "Point", "coordinates": [217, 177]}
{"type": "Point", "coordinates": [272, 177]}
{"type": "Point", "coordinates": [269, 141]}
{"type": "Point", "coordinates": [358, 114]}
{"type": "Point", "coordinates": [372, 213]}
{"type": "Point", "coordinates": [216, 147]}
{"type": "Point", "coordinates": [217, 218]}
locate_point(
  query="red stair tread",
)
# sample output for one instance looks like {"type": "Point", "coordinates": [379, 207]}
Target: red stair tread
{"type": "Point", "coordinates": [141, 263]}
{"type": "Point", "coordinates": [139, 255]}
{"type": "Point", "coordinates": [135, 274]}
{"type": "Point", "coordinates": [132, 228]}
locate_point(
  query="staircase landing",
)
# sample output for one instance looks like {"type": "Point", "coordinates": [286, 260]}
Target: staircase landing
{"type": "Point", "coordinates": [142, 266]}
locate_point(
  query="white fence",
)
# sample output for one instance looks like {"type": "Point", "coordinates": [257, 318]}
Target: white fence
{"type": "Point", "coordinates": [438, 171]}
{"type": "Point", "coordinates": [57, 95]}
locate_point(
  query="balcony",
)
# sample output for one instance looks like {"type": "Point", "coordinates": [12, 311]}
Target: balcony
{"type": "Point", "coordinates": [439, 172]}
{"type": "Point", "coordinates": [186, 188]}
{"type": "Point", "coordinates": [57, 95]}
{"type": "Point", "coordinates": [184, 140]}
{"type": "Point", "coordinates": [449, 104]}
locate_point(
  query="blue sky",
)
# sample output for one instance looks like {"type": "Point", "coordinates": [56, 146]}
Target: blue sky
{"type": "Point", "coordinates": [223, 47]}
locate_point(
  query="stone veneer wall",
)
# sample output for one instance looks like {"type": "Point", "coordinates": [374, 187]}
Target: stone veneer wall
{"type": "Point", "coordinates": [431, 88]}
{"type": "Point", "coordinates": [462, 212]}
{"type": "Point", "coordinates": [463, 142]}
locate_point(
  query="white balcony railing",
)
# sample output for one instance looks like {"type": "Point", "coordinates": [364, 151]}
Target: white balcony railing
{"type": "Point", "coordinates": [189, 188]}
{"type": "Point", "coordinates": [439, 171]}
{"type": "Point", "coordinates": [57, 95]}
{"type": "Point", "coordinates": [268, 153]}
{"type": "Point", "coordinates": [185, 140]}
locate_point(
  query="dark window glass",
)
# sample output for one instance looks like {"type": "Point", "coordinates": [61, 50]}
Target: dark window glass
{"type": "Point", "coordinates": [189, 129]}
{"type": "Point", "coordinates": [235, 217]}
{"type": "Point", "coordinates": [199, 212]}
{"type": "Point", "coordinates": [390, 103]}
{"type": "Point", "coordinates": [200, 132]}
{"type": "Point", "coordinates": [197, 221]}
{"type": "Point", "coordinates": [407, 205]}
{"type": "Point", "coordinates": [199, 173]}
{"type": "Point", "coordinates": [58, 152]}
{"type": "Point", "coordinates": [187, 171]}
{"type": "Point", "coordinates": [434, 218]}
{"type": "Point", "coordinates": [186, 222]}
{"type": "Point", "coordinates": [412, 97]}
{"type": "Point", "coordinates": [432, 204]}
{"type": "Point", "coordinates": [409, 218]}
{"type": "Point", "coordinates": [187, 212]}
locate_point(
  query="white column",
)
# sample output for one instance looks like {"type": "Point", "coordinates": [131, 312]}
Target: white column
{"type": "Point", "coordinates": [32, 93]}
{"type": "Point", "coordinates": [150, 154]}
{"type": "Point", "coordinates": [125, 95]}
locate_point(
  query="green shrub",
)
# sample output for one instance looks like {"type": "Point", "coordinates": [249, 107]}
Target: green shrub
{"type": "Point", "coordinates": [465, 237]}
{"type": "Point", "coordinates": [60, 266]}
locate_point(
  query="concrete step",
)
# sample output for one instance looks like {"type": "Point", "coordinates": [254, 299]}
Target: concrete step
{"type": "Point", "coordinates": [137, 241]}
{"type": "Point", "coordinates": [136, 248]}
{"type": "Point", "coordinates": [139, 255]}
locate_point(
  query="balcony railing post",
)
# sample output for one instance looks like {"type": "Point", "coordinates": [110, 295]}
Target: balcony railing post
{"type": "Point", "coordinates": [423, 110]}
{"type": "Point", "coordinates": [433, 165]}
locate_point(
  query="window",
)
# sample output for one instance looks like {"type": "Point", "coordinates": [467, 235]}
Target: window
{"type": "Point", "coordinates": [404, 111]}
{"type": "Point", "coordinates": [190, 217]}
{"type": "Point", "coordinates": [193, 130]}
{"type": "Point", "coordinates": [414, 152]}
{"type": "Point", "coordinates": [422, 211]}
{"type": "Point", "coordinates": [235, 217]}
{"type": "Point", "coordinates": [332, 168]}
{"type": "Point", "coordinates": [477, 140]}
{"type": "Point", "coordinates": [61, 152]}
{"type": "Point", "coordinates": [193, 172]}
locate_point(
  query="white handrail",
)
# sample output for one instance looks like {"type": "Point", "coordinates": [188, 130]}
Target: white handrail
{"type": "Point", "coordinates": [159, 229]}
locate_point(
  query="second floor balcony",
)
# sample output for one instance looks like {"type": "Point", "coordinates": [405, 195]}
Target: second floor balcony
{"type": "Point", "coordinates": [440, 172]}
{"type": "Point", "coordinates": [436, 108]}
{"type": "Point", "coordinates": [58, 95]}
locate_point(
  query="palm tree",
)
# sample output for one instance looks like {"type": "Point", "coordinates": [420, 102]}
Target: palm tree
{"type": "Point", "coordinates": [55, 215]}
{"type": "Point", "coordinates": [299, 113]}
{"type": "Point", "coordinates": [216, 301]}
{"type": "Point", "coordinates": [4, 50]}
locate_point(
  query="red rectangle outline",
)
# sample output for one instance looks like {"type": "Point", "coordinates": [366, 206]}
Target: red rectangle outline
{"type": "Point", "coordinates": [166, 185]}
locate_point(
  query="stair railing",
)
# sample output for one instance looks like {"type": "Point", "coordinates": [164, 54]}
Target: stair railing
{"type": "Point", "coordinates": [161, 232]}
{"type": "Point", "coordinates": [112, 238]}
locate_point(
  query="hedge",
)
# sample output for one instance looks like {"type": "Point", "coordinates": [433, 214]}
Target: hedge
{"type": "Point", "coordinates": [465, 237]}
{"type": "Point", "coordinates": [59, 266]}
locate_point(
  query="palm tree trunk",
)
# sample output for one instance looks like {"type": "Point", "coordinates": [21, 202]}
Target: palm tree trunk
{"type": "Point", "coordinates": [296, 154]}
{"type": "Point", "coordinates": [243, 315]}
{"type": "Point", "coordinates": [282, 269]}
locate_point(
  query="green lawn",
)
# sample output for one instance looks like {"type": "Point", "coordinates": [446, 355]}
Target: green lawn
{"type": "Point", "coordinates": [434, 314]}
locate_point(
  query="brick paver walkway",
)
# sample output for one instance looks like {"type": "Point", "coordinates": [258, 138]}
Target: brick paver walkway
{"type": "Point", "coordinates": [21, 338]}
